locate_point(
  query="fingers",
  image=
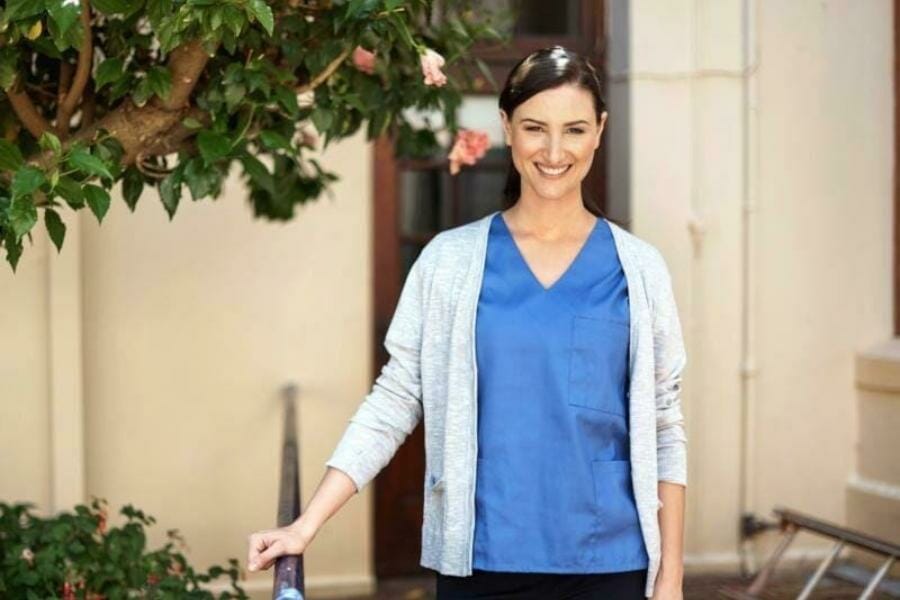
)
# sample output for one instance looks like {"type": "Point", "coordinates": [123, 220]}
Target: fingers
{"type": "Point", "coordinates": [267, 557]}
{"type": "Point", "coordinates": [258, 542]}
{"type": "Point", "coordinates": [266, 546]}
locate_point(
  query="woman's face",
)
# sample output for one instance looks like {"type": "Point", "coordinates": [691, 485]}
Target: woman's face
{"type": "Point", "coordinates": [553, 136]}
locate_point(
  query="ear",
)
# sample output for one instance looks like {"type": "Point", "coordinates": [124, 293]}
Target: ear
{"type": "Point", "coordinates": [507, 127]}
{"type": "Point", "coordinates": [601, 127]}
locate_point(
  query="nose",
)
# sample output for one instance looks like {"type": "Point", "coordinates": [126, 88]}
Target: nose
{"type": "Point", "coordinates": [554, 149]}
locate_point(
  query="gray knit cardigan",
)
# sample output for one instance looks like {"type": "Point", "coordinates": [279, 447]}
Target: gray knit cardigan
{"type": "Point", "coordinates": [432, 373]}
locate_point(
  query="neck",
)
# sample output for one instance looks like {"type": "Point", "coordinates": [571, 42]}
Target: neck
{"type": "Point", "coordinates": [549, 218]}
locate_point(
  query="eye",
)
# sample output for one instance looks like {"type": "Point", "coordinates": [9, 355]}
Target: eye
{"type": "Point", "coordinates": [532, 128]}
{"type": "Point", "coordinates": [577, 130]}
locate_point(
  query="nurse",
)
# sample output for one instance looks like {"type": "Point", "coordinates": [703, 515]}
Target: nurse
{"type": "Point", "coordinates": [555, 513]}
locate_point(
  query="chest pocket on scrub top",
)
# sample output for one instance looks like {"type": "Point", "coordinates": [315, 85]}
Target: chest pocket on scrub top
{"type": "Point", "coordinates": [598, 363]}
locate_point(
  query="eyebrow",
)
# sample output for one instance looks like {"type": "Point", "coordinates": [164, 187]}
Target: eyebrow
{"type": "Point", "coordinates": [569, 123]}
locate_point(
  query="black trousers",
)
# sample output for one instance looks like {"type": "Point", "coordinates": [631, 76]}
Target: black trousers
{"type": "Point", "coordinates": [496, 585]}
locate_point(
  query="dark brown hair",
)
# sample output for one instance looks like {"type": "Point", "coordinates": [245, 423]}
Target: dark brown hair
{"type": "Point", "coordinates": [541, 70]}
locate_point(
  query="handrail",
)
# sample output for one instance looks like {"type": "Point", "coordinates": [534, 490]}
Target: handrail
{"type": "Point", "coordinates": [288, 584]}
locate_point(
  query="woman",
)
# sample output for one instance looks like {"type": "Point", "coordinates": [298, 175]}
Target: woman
{"type": "Point", "coordinates": [543, 348]}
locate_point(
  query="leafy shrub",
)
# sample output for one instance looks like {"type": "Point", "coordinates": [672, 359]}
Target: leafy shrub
{"type": "Point", "coordinates": [74, 555]}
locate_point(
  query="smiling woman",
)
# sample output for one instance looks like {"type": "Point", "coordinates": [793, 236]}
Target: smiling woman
{"type": "Point", "coordinates": [558, 509]}
{"type": "Point", "coordinates": [553, 114]}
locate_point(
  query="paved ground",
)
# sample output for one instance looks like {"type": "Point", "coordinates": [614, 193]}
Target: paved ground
{"type": "Point", "coordinates": [786, 586]}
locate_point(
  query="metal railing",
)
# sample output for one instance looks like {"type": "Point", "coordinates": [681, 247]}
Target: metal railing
{"type": "Point", "coordinates": [288, 584]}
{"type": "Point", "coordinates": [791, 522]}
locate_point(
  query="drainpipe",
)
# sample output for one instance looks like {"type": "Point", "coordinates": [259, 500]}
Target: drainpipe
{"type": "Point", "coordinates": [750, 524]}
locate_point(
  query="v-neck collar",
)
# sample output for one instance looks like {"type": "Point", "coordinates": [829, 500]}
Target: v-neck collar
{"type": "Point", "coordinates": [566, 274]}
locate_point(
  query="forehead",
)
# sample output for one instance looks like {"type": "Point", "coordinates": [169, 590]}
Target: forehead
{"type": "Point", "coordinates": [560, 104]}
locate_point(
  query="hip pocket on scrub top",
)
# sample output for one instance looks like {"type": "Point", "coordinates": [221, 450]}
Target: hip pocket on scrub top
{"type": "Point", "coordinates": [616, 510]}
{"type": "Point", "coordinates": [598, 364]}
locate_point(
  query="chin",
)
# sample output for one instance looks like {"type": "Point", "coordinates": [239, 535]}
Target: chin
{"type": "Point", "coordinates": [553, 192]}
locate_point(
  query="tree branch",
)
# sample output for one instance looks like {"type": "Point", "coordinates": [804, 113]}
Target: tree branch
{"type": "Point", "coordinates": [88, 104]}
{"type": "Point", "coordinates": [325, 74]}
{"type": "Point", "coordinates": [82, 72]}
{"type": "Point", "coordinates": [186, 63]}
{"type": "Point", "coordinates": [173, 139]}
{"type": "Point", "coordinates": [24, 108]}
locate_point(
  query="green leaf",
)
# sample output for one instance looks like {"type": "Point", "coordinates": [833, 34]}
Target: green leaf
{"type": "Point", "coordinates": [158, 9]}
{"type": "Point", "coordinates": [170, 192]}
{"type": "Point", "coordinates": [55, 227]}
{"type": "Point", "coordinates": [202, 181]}
{"type": "Point", "coordinates": [132, 187]}
{"type": "Point", "coordinates": [287, 99]}
{"type": "Point", "coordinates": [141, 92]}
{"type": "Point", "coordinates": [258, 172]}
{"type": "Point", "coordinates": [20, 9]}
{"type": "Point", "coordinates": [263, 13]}
{"type": "Point", "coordinates": [13, 247]}
{"type": "Point", "coordinates": [191, 123]}
{"type": "Point", "coordinates": [48, 141]}
{"type": "Point", "coordinates": [71, 191]}
{"type": "Point", "coordinates": [65, 14]}
{"type": "Point", "coordinates": [234, 19]}
{"type": "Point", "coordinates": [160, 81]}
{"type": "Point", "coordinates": [9, 60]}
{"type": "Point", "coordinates": [97, 199]}
{"type": "Point", "coordinates": [322, 119]}
{"type": "Point", "coordinates": [109, 71]}
{"type": "Point", "coordinates": [22, 215]}
{"type": "Point", "coordinates": [84, 161]}
{"type": "Point", "coordinates": [27, 180]}
{"type": "Point", "coordinates": [213, 146]}
{"type": "Point", "coordinates": [111, 7]}
{"type": "Point", "coordinates": [274, 140]}
{"type": "Point", "coordinates": [234, 94]}
{"type": "Point", "coordinates": [10, 156]}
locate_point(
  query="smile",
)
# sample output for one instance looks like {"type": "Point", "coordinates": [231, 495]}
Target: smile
{"type": "Point", "coordinates": [551, 171]}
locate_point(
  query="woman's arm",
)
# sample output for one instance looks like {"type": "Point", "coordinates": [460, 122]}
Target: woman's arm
{"type": "Point", "coordinates": [265, 546]}
{"type": "Point", "coordinates": [391, 411]}
{"type": "Point", "coordinates": [384, 419]}
{"type": "Point", "coordinates": [670, 359]}
{"type": "Point", "coordinates": [671, 528]}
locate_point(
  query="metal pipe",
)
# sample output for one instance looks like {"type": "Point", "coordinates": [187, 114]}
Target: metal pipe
{"type": "Point", "coordinates": [289, 577]}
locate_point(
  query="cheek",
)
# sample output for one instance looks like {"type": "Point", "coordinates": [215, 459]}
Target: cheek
{"type": "Point", "coordinates": [583, 150]}
{"type": "Point", "coordinates": [524, 148]}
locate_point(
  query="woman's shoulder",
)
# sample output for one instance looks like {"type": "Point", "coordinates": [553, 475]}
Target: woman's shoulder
{"type": "Point", "coordinates": [643, 254]}
{"type": "Point", "coordinates": [455, 245]}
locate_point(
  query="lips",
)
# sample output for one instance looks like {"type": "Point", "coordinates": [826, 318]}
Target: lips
{"type": "Point", "coordinates": [548, 171]}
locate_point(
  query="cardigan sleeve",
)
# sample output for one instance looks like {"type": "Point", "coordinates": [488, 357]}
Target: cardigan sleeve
{"type": "Point", "coordinates": [670, 359]}
{"type": "Point", "coordinates": [393, 407]}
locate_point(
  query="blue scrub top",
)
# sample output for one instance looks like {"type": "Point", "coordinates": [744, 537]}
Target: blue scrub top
{"type": "Point", "coordinates": [553, 487]}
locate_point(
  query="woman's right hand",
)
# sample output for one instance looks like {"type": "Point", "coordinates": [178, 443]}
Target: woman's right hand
{"type": "Point", "coordinates": [269, 544]}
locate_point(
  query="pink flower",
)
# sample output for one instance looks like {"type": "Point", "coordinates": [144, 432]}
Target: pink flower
{"type": "Point", "coordinates": [431, 63]}
{"type": "Point", "coordinates": [364, 60]}
{"type": "Point", "coordinates": [470, 145]}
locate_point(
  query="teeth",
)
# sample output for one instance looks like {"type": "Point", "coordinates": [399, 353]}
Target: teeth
{"type": "Point", "coordinates": [551, 171]}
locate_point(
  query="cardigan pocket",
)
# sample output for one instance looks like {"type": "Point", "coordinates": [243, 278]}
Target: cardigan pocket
{"type": "Point", "coordinates": [434, 483]}
{"type": "Point", "coordinates": [598, 363]}
{"type": "Point", "coordinates": [616, 509]}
